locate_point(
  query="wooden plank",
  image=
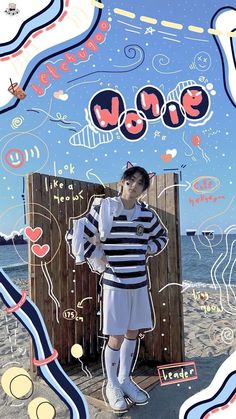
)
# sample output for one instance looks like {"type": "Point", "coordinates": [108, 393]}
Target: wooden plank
{"type": "Point", "coordinates": [68, 276]}
{"type": "Point", "coordinates": [38, 222]}
{"type": "Point", "coordinates": [175, 296]}
{"type": "Point", "coordinates": [92, 304]}
{"type": "Point", "coordinates": [51, 200]}
{"type": "Point", "coordinates": [31, 257]}
{"type": "Point", "coordinates": [85, 284]}
{"type": "Point", "coordinates": [81, 208]}
{"type": "Point", "coordinates": [30, 222]}
{"type": "Point", "coordinates": [46, 261]}
{"type": "Point", "coordinates": [163, 276]}
{"type": "Point", "coordinates": [150, 341]}
{"type": "Point", "coordinates": [179, 267]}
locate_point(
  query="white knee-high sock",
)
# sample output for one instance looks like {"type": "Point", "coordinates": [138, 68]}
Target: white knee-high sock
{"type": "Point", "coordinates": [127, 352]}
{"type": "Point", "coordinates": [112, 357]}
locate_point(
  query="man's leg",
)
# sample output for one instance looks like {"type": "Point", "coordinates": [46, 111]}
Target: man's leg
{"type": "Point", "coordinates": [112, 358]}
{"type": "Point", "coordinates": [127, 354]}
{"type": "Point", "coordinates": [113, 390]}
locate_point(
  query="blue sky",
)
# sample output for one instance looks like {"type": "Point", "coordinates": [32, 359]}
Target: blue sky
{"type": "Point", "coordinates": [46, 123]}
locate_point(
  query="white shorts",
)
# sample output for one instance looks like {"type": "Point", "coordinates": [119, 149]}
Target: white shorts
{"type": "Point", "coordinates": [125, 309]}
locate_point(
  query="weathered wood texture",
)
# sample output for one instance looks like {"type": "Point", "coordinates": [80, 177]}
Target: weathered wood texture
{"type": "Point", "coordinates": [51, 204]}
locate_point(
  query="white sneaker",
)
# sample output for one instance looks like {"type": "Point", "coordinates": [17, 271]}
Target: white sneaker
{"type": "Point", "coordinates": [116, 397]}
{"type": "Point", "coordinates": [131, 390]}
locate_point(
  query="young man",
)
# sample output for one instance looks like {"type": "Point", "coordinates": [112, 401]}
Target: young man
{"type": "Point", "coordinates": [128, 231]}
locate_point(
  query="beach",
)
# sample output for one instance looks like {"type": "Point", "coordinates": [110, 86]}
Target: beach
{"type": "Point", "coordinates": [209, 339]}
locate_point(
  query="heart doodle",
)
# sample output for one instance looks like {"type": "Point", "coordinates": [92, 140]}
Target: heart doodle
{"type": "Point", "coordinates": [60, 95]}
{"type": "Point", "coordinates": [40, 251]}
{"type": "Point", "coordinates": [166, 157]}
{"type": "Point", "coordinates": [33, 233]}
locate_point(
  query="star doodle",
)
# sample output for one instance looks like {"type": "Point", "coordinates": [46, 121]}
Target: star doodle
{"type": "Point", "coordinates": [149, 30]}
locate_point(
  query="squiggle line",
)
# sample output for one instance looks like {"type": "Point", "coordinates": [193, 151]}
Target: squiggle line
{"type": "Point", "coordinates": [230, 275]}
{"type": "Point", "coordinates": [216, 266]}
{"type": "Point", "coordinates": [88, 373]}
{"type": "Point", "coordinates": [84, 61]}
{"type": "Point", "coordinates": [212, 269]}
{"type": "Point", "coordinates": [69, 128]}
{"type": "Point", "coordinates": [86, 368]}
{"type": "Point", "coordinates": [46, 269]}
{"type": "Point", "coordinates": [54, 62]}
{"type": "Point", "coordinates": [52, 372]}
{"type": "Point", "coordinates": [195, 247]}
{"type": "Point", "coordinates": [89, 122]}
{"type": "Point", "coordinates": [209, 241]}
{"type": "Point", "coordinates": [59, 117]}
{"type": "Point", "coordinates": [231, 248]}
{"type": "Point", "coordinates": [188, 155]}
{"type": "Point", "coordinates": [204, 155]}
{"type": "Point", "coordinates": [50, 288]}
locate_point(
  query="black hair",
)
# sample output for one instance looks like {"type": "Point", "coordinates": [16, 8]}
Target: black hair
{"type": "Point", "coordinates": [128, 173]}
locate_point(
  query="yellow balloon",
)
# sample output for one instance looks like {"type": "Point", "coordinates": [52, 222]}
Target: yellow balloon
{"type": "Point", "coordinates": [16, 382]}
{"type": "Point", "coordinates": [76, 350]}
{"type": "Point", "coordinates": [40, 408]}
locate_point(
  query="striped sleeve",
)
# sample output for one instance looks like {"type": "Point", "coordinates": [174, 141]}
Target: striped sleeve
{"type": "Point", "coordinates": [158, 236]}
{"type": "Point", "coordinates": [92, 246]}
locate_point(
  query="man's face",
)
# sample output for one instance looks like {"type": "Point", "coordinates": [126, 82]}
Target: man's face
{"type": "Point", "coordinates": [132, 187]}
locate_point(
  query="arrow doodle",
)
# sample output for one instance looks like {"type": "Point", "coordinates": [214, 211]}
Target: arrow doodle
{"type": "Point", "coordinates": [187, 185]}
{"type": "Point", "coordinates": [79, 305]}
{"type": "Point", "coordinates": [89, 172]}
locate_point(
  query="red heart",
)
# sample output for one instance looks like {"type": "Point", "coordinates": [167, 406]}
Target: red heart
{"type": "Point", "coordinates": [40, 251]}
{"type": "Point", "coordinates": [33, 233]}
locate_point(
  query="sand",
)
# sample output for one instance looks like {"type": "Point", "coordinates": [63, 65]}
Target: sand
{"type": "Point", "coordinates": [209, 339]}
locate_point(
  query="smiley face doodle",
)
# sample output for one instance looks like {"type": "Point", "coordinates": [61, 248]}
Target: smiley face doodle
{"type": "Point", "coordinates": [202, 61]}
{"type": "Point", "coordinates": [15, 158]}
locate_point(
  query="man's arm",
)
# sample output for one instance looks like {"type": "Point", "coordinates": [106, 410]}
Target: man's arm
{"type": "Point", "coordinates": [158, 236]}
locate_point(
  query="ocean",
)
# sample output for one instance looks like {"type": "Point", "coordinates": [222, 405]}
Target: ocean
{"type": "Point", "coordinates": [198, 254]}
{"type": "Point", "coordinates": [13, 259]}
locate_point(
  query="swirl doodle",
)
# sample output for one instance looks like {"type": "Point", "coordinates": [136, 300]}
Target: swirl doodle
{"type": "Point", "coordinates": [227, 335]}
{"type": "Point", "coordinates": [162, 60]}
{"type": "Point", "coordinates": [221, 334]}
{"type": "Point", "coordinates": [17, 122]}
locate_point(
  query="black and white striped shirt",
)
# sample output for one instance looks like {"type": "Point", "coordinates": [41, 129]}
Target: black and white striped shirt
{"type": "Point", "coordinates": [126, 245]}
